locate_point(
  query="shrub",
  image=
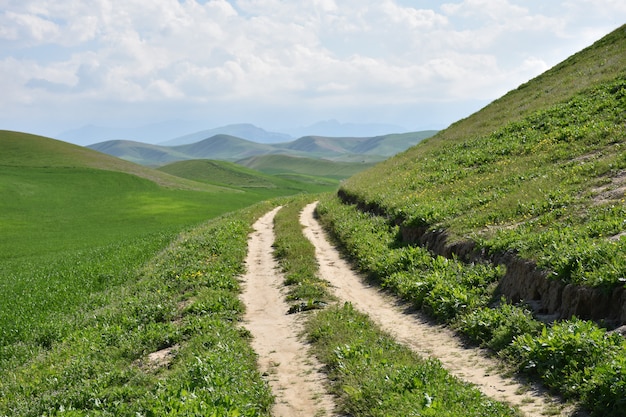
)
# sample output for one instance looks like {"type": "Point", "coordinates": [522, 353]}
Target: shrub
{"type": "Point", "coordinates": [565, 354]}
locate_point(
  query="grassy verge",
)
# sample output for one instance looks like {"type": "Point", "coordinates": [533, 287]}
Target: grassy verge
{"type": "Point", "coordinates": [296, 256]}
{"type": "Point", "coordinates": [370, 374]}
{"type": "Point", "coordinates": [182, 304]}
{"type": "Point", "coordinates": [374, 376]}
{"type": "Point", "coordinates": [575, 358]}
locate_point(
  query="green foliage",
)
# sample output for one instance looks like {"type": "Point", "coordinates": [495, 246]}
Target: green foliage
{"type": "Point", "coordinates": [374, 376]}
{"type": "Point", "coordinates": [497, 327]}
{"type": "Point", "coordinates": [566, 355]}
{"type": "Point", "coordinates": [184, 300]}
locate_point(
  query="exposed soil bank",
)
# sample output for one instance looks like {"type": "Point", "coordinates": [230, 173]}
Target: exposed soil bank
{"type": "Point", "coordinates": [523, 280]}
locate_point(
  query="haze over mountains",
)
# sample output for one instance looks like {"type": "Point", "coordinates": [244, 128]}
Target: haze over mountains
{"type": "Point", "coordinates": [233, 148]}
{"type": "Point", "coordinates": [180, 132]}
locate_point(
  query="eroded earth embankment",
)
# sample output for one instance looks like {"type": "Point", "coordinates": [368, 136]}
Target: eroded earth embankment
{"type": "Point", "coordinates": [523, 281]}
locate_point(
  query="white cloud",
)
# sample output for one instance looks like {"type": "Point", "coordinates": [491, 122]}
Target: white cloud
{"type": "Point", "coordinates": [320, 53]}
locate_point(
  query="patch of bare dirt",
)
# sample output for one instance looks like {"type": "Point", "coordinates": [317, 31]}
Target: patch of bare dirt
{"type": "Point", "coordinates": [159, 359]}
{"type": "Point", "coordinates": [613, 191]}
{"type": "Point", "coordinates": [293, 374]}
{"type": "Point", "coordinates": [421, 335]}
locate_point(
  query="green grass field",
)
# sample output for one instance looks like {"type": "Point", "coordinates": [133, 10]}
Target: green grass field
{"type": "Point", "coordinates": [252, 181]}
{"type": "Point", "coordinates": [75, 224]}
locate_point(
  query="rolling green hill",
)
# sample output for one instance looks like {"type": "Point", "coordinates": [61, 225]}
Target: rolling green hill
{"type": "Point", "coordinates": [223, 147]}
{"type": "Point", "coordinates": [288, 165]}
{"type": "Point", "coordinates": [231, 148]}
{"type": "Point", "coordinates": [26, 150]}
{"type": "Point", "coordinates": [138, 152]}
{"type": "Point", "coordinates": [233, 175]}
{"type": "Point", "coordinates": [67, 195]}
{"type": "Point", "coordinates": [218, 172]}
{"type": "Point", "coordinates": [74, 222]}
{"type": "Point", "coordinates": [539, 173]}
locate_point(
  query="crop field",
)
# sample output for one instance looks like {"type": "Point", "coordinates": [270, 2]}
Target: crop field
{"type": "Point", "coordinates": [161, 342]}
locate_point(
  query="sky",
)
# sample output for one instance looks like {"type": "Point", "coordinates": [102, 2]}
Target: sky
{"type": "Point", "coordinates": [415, 64]}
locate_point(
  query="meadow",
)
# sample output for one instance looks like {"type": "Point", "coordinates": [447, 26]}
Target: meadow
{"type": "Point", "coordinates": [162, 342]}
{"type": "Point", "coordinates": [68, 233]}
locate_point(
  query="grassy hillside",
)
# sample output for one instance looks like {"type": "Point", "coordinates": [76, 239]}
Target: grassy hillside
{"type": "Point", "coordinates": [510, 226]}
{"type": "Point", "coordinates": [244, 131]}
{"type": "Point", "coordinates": [138, 152]}
{"type": "Point", "coordinates": [287, 165]}
{"type": "Point", "coordinates": [226, 147]}
{"type": "Point", "coordinates": [237, 176]}
{"type": "Point", "coordinates": [60, 193]}
{"type": "Point", "coordinates": [543, 177]}
{"type": "Point", "coordinates": [26, 150]}
{"type": "Point", "coordinates": [76, 223]}
{"type": "Point", "coordinates": [389, 145]}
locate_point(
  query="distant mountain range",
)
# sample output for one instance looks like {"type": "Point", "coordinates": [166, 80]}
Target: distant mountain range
{"type": "Point", "coordinates": [177, 132]}
{"type": "Point", "coordinates": [232, 148]}
{"type": "Point", "coordinates": [245, 131]}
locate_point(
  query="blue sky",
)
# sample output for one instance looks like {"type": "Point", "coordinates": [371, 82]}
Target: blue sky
{"type": "Point", "coordinates": [278, 64]}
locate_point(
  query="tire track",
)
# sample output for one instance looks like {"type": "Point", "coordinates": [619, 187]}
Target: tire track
{"type": "Point", "coordinates": [293, 374]}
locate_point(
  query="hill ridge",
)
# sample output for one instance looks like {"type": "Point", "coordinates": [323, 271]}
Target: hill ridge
{"type": "Point", "coordinates": [233, 148]}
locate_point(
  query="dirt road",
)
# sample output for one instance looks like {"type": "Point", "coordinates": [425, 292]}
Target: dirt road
{"type": "Point", "coordinates": [295, 377]}
{"type": "Point", "coordinates": [293, 374]}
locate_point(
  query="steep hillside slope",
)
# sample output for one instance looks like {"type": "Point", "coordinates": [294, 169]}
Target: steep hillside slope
{"type": "Point", "coordinates": [535, 179]}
